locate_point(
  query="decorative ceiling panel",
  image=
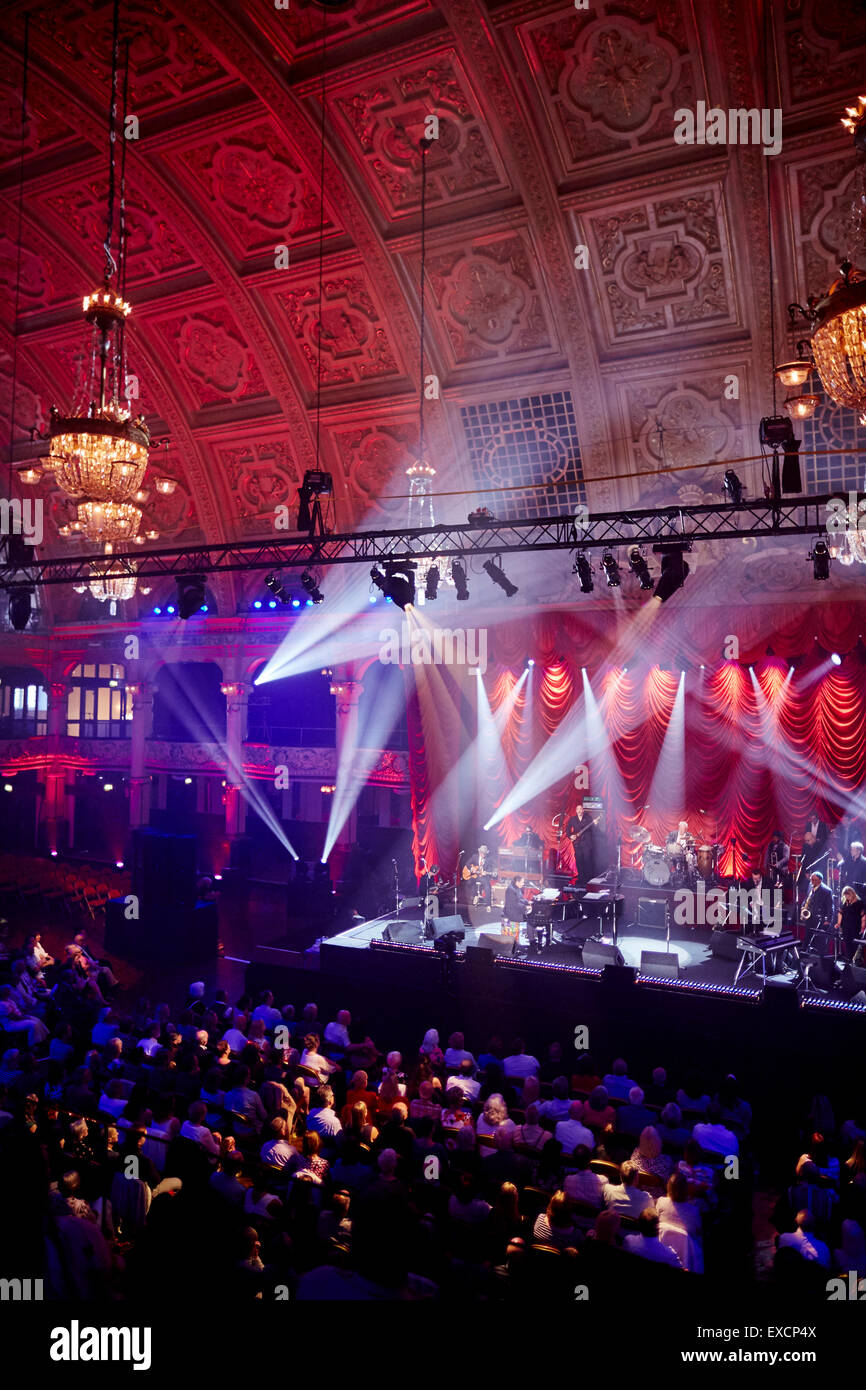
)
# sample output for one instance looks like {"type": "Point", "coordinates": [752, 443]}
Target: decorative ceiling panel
{"type": "Point", "coordinates": [356, 346]}
{"type": "Point", "coordinates": [526, 442]}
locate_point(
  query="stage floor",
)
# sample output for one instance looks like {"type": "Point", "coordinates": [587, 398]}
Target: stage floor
{"type": "Point", "coordinates": [690, 945]}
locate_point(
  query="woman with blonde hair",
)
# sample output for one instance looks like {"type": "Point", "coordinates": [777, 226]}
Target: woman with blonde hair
{"type": "Point", "coordinates": [851, 920]}
{"type": "Point", "coordinates": [495, 1122]}
{"type": "Point", "coordinates": [390, 1092]}
{"type": "Point", "coordinates": [648, 1156]}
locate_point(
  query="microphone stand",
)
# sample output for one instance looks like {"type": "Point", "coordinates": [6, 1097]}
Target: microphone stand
{"type": "Point", "coordinates": [396, 889]}
{"type": "Point", "coordinates": [457, 881]}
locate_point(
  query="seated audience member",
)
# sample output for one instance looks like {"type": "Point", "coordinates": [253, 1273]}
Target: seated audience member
{"type": "Point", "coordinates": [323, 1118]}
{"type": "Point", "coordinates": [337, 1033]}
{"type": "Point", "coordinates": [626, 1197]}
{"type": "Point", "coordinates": [495, 1122]}
{"type": "Point", "coordinates": [311, 1057]}
{"type": "Point", "coordinates": [425, 1104]}
{"type": "Point", "coordinates": [456, 1113]}
{"type": "Point", "coordinates": [351, 1171]}
{"type": "Point", "coordinates": [359, 1089]}
{"type": "Point", "coordinates": [530, 1093]}
{"type": "Point", "coordinates": [671, 1128]}
{"type": "Point", "coordinates": [496, 1083]}
{"type": "Point", "coordinates": [557, 1108]}
{"type": "Point", "coordinates": [312, 1161]}
{"type": "Point", "coordinates": [195, 1129]}
{"type": "Point", "coordinates": [430, 1048]}
{"type": "Point", "coordinates": [244, 1101]}
{"type": "Point", "coordinates": [548, 1174]}
{"type": "Point", "coordinates": [552, 1065]}
{"type": "Point", "coordinates": [597, 1113]}
{"type": "Point", "coordinates": [812, 1193]}
{"type": "Point", "coordinates": [586, 1075]}
{"type": "Point", "coordinates": [735, 1112]}
{"type": "Point", "coordinates": [236, 1039]}
{"type": "Point", "coordinates": [456, 1054]}
{"type": "Point", "coordinates": [804, 1240]}
{"type": "Point", "coordinates": [267, 1011]}
{"type": "Point", "coordinates": [584, 1186]}
{"type": "Point", "coordinates": [659, 1091]}
{"type": "Point", "coordinates": [465, 1204]}
{"type": "Point", "coordinates": [572, 1132]}
{"type": "Point", "coordinates": [13, 1020]}
{"type": "Point", "coordinates": [519, 1063]}
{"type": "Point", "coordinates": [386, 1189]}
{"type": "Point", "coordinates": [225, 1181]}
{"type": "Point", "coordinates": [826, 1163]}
{"type": "Point", "coordinates": [555, 1226]}
{"type": "Point", "coordinates": [358, 1126]}
{"type": "Point", "coordinates": [35, 953]}
{"type": "Point", "coordinates": [646, 1243]}
{"type": "Point", "coordinates": [700, 1177]}
{"type": "Point", "coordinates": [494, 1054]}
{"type": "Point", "coordinates": [277, 1151]}
{"type": "Point", "coordinates": [390, 1094]}
{"type": "Point", "coordinates": [259, 1202]}
{"type": "Point", "coordinates": [335, 1223]}
{"type": "Point", "coordinates": [648, 1156]}
{"type": "Point", "coordinates": [676, 1209]}
{"type": "Point", "coordinates": [618, 1083]}
{"type": "Point", "coordinates": [691, 1095]}
{"type": "Point", "coordinates": [633, 1117]}
{"type": "Point", "coordinates": [113, 1099]}
{"type": "Point", "coordinates": [531, 1134]}
{"type": "Point", "coordinates": [464, 1081]}
{"type": "Point", "coordinates": [713, 1136]}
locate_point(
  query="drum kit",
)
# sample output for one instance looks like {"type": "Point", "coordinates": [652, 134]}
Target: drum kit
{"type": "Point", "coordinates": [676, 865]}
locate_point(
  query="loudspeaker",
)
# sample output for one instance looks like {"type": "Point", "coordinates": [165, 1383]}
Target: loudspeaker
{"type": "Point", "coordinates": [853, 980]}
{"type": "Point", "coordinates": [598, 954]}
{"type": "Point", "coordinates": [410, 933]}
{"type": "Point", "coordinates": [781, 999]}
{"type": "Point", "coordinates": [723, 944]}
{"type": "Point", "coordinates": [499, 945]}
{"type": "Point", "coordinates": [664, 965]}
{"type": "Point", "coordinates": [618, 977]}
{"type": "Point", "coordinates": [479, 955]}
{"type": "Point", "coordinates": [441, 925]}
{"type": "Point", "coordinates": [651, 912]}
{"type": "Point", "coordinates": [822, 972]}
{"type": "Point", "coordinates": [163, 869]}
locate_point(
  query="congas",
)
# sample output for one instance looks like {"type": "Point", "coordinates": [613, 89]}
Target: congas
{"type": "Point", "coordinates": [656, 870]}
{"type": "Point", "coordinates": [706, 865]}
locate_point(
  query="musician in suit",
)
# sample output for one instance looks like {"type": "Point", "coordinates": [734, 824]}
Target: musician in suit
{"type": "Point", "coordinates": [849, 829]}
{"type": "Point", "coordinates": [819, 901]}
{"type": "Point", "coordinates": [756, 884]}
{"type": "Point", "coordinates": [815, 834]}
{"type": "Point", "coordinates": [580, 829]}
{"type": "Point", "coordinates": [777, 856]}
{"type": "Point", "coordinates": [853, 865]}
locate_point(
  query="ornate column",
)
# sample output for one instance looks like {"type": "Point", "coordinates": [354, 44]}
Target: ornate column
{"type": "Point", "coordinates": [141, 693]}
{"type": "Point", "coordinates": [54, 817]}
{"type": "Point", "coordinates": [237, 695]}
{"type": "Point", "coordinates": [347, 692]}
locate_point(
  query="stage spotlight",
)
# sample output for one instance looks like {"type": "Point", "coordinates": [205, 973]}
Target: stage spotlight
{"type": "Point", "coordinates": [639, 567]}
{"type": "Point", "coordinates": [583, 569]}
{"type": "Point", "coordinates": [458, 574]}
{"type": "Point", "coordinates": [836, 659]}
{"type": "Point", "coordinates": [530, 662]}
{"type": "Point", "coordinates": [733, 487]}
{"type": "Point", "coordinates": [315, 486]}
{"type": "Point", "coordinates": [20, 607]}
{"type": "Point", "coordinates": [310, 587]}
{"type": "Point", "coordinates": [431, 584]}
{"type": "Point", "coordinates": [497, 574]}
{"type": "Point", "coordinates": [674, 571]}
{"type": "Point", "coordinates": [190, 594]}
{"type": "Point", "coordinates": [278, 589]}
{"type": "Point", "coordinates": [820, 558]}
{"type": "Point", "coordinates": [397, 583]}
{"type": "Point", "coordinates": [611, 569]}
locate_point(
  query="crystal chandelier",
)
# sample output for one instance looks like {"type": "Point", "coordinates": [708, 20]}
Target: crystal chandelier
{"type": "Point", "coordinates": [114, 584]}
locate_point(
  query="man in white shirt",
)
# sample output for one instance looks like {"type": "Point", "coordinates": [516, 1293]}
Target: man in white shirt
{"type": "Point", "coordinates": [235, 1039]}
{"type": "Point", "coordinates": [571, 1132]}
{"type": "Point", "coordinates": [646, 1243]}
{"type": "Point", "coordinates": [713, 1136]}
{"type": "Point", "coordinates": [277, 1151]}
{"type": "Point", "coordinates": [558, 1108]}
{"type": "Point", "coordinates": [520, 1063]}
{"type": "Point", "coordinates": [456, 1054]}
{"type": "Point", "coordinates": [324, 1118]}
{"type": "Point", "coordinates": [337, 1034]}
{"type": "Point", "coordinates": [195, 1129]}
{"type": "Point", "coordinates": [464, 1081]}
{"type": "Point", "coordinates": [805, 1241]}
{"type": "Point", "coordinates": [626, 1197]}
{"type": "Point", "coordinates": [265, 1009]}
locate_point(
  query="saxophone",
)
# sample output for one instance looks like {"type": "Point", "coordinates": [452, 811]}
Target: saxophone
{"type": "Point", "coordinates": [806, 911]}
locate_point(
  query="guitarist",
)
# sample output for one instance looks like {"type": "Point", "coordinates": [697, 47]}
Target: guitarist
{"type": "Point", "coordinates": [580, 830]}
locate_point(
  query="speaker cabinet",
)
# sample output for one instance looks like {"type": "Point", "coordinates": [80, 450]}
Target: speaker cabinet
{"type": "Point", "coordinates": [723, 945]}
{"type": "Point", "coordinates": [498, 944]}
{"type": "Point", "coordinates": [409, 933]}
{"type": "Point", "coordinates": [664, 965]}
{"type": "Point", "coordinates": [598, 954]}
{"type": "Point", "coordinates": [441, 925]}
{"type": "Point", "coordinates": [163, 869]}
{"type": "Point", "coordinates": [781, 999]}
{"type": "Point", "coordinates": [651, 912]}
{"type": "Point", "coordinates": [479, 955]}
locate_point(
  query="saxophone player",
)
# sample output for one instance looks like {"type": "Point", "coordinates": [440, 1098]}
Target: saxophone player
{"type": "Point", "coordinates": [817, 910]}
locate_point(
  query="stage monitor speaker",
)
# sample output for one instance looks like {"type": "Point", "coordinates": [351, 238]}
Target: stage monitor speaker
{"type": "Point", "coordinates": [651, 912]}
{"type": "Point", "coordinates": [499, 945]}
{"type": "Point", "coordinates": [479, 955]}
{"type": "Point", "coordinates": [822, 972]}
{"type": "Point", "coordinates": [723, 945]}
{"type": "Point", "coordinates": [618, 977]}
{"type": "Point", "coordinates": [853, 980]}
{"type": "Point", "coordinates": [441, 925]}
{"type": "Point", "coordinates": [663, 965]}
{"type": "Point", "coordinates": [409, 933]}
{"type": "Point", "coordinates": [598, 954]}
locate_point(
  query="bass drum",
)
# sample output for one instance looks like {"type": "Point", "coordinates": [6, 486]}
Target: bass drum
{"type": "Point", "coordinates": [656, 870]}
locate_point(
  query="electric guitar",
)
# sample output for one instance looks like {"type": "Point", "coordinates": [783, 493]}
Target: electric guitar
{"type": "Point", "coordinates": [576, 834]}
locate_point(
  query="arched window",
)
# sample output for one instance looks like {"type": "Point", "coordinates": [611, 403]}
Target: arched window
{"type": "Point", "coordinates": [23, 702]}
{"type": "Point", "coordinates": [97, 706]}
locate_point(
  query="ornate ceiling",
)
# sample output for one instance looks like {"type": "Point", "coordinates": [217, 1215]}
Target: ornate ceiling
{"type": "Point", "coordinates": [556, 132]}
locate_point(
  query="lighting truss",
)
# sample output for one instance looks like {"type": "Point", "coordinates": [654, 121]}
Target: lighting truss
{"type": "Point", "coordinates": [805, 516]}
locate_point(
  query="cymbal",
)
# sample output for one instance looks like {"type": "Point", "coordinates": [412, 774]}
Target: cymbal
{"type": "Point", "coordinates": [637, 832]}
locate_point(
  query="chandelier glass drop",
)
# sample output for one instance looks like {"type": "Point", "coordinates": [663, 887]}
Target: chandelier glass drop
{"type": "Point", "coordinates": [114, 583]}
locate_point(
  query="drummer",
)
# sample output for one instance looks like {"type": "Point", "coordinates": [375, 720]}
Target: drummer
{"type": "Point", "coordinates": [680, 838]}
